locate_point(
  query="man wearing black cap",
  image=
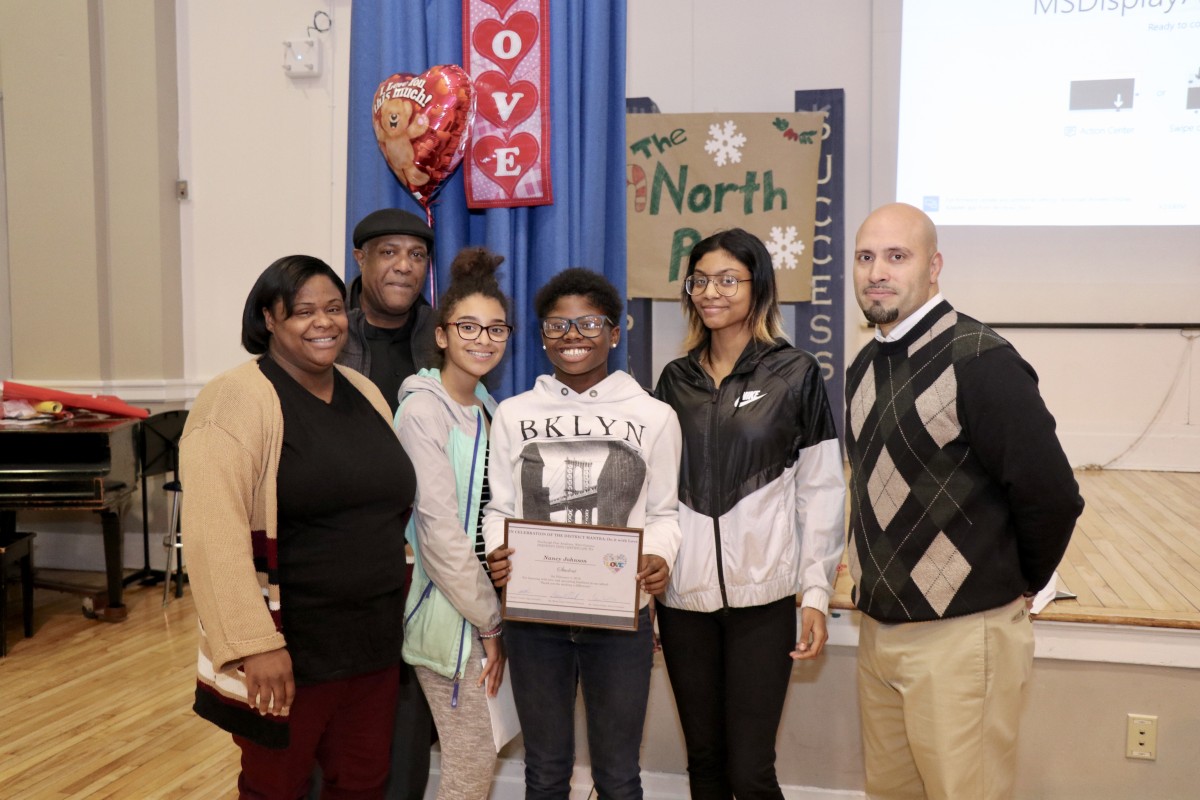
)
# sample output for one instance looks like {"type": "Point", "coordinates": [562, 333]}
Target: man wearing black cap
{"type": "Point", "coordinates": [390, 328]}
{"type": "Point", "coordinates": [390, 323]}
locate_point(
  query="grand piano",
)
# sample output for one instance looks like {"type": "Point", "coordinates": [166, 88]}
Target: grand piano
{"type": "Point", "coordinates": [83, 464]}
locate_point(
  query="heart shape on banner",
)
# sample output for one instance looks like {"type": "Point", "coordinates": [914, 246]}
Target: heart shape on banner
{"type": "Point", "coordinates": [506, 43]}
{"type": "Point", "coordinates": [491, 83]}
{"type": "Point", "coordinates": [483, 151]}
{"type": "Point", "coordinates": [501, 5]}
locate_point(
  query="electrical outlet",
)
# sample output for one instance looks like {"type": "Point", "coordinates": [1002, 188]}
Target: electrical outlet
{"type": "Point", "coordinates": [1141, 736]}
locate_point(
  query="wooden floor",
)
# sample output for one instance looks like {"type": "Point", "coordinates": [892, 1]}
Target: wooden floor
{"type": "Point", "coordinates": [1135, 556]}
{"type": "Point", "coordinates": [102, 710]}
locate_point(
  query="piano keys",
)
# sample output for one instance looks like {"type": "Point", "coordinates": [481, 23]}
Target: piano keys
{"type": "Point", "coordinates": [84, 464]}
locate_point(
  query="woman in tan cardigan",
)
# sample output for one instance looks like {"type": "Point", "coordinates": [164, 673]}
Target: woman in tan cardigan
{"type": "Point", "coordinates": [293, 525]}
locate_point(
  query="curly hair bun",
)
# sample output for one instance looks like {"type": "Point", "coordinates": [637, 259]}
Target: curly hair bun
{"type": "Point", "coordinates": [475, 264]}
{"type": "Point", "coordinates": [472, 272]}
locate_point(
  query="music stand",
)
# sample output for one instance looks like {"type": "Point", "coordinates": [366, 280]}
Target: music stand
{"type": "Point", "coordinates": [158, 454]}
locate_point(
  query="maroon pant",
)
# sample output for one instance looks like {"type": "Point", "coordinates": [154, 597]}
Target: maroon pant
{"type": "Point", "coordinates": [345, 726]}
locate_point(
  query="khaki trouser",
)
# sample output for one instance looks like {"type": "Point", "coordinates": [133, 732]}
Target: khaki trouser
{"type": "Point", "coordinates": [940, 703]}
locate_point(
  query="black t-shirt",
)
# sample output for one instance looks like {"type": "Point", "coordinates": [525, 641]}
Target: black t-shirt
{"type": "Point", "coordinates": [391, 358]}
{"type": "Point", "coordinates": [345, 490]}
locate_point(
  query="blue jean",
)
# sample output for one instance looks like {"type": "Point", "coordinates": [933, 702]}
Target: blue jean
{"type": "Point", "coordinates": [547, 663]}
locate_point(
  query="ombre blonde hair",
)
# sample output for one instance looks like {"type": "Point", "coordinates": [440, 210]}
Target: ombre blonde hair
{"type": "Point", "coordinates": [765, 321]}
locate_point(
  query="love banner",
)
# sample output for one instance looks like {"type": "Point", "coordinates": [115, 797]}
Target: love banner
{"type": "Point", "coordinates": [691, 175]}
{"type": "Point", "coordinates": [506, 44]}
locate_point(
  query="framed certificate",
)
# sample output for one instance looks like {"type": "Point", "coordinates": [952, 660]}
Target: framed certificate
{"type": "Point", "coordinates": [567, 574]}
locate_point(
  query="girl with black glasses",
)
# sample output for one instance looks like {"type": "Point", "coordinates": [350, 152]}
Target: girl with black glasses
{"type": "Point", "coordinates": [452, 615]}
{"type": "Point", "coordinates": [589, 446]}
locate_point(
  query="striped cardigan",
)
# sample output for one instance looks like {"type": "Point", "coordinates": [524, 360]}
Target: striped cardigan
{"type": "Point", "coordinates": [229, 462]}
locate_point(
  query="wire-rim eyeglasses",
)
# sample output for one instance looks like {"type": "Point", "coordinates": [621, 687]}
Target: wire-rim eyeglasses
{"type": "Point", "coordinates": [727, 285]}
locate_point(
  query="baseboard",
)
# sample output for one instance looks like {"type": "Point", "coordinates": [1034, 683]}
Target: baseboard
{"type": "Point", "coordinates": [509, 784]}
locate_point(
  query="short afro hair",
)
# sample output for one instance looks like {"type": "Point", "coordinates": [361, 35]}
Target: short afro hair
{"type": "Point", "coordinates": [584, 282]}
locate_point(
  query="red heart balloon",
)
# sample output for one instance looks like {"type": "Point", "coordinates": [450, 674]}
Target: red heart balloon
{"type": "Point", "coordinates": [498, 98]}
{"type": "Point", "coordinates": [506, 43]}
{"type": "Point", "coordinates": [507, 167]}
{"type": "Point", "coordinates": [422, 124]}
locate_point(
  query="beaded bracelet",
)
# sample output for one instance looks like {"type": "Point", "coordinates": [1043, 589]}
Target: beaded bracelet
{"type": "Point", "coordinates": [492, 634]}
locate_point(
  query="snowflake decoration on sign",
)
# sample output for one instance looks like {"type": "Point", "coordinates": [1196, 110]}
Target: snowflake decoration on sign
{"type": "Point", "coordinates": [784, 247]}
{"type": "Point", "coordinates": [725, 143]}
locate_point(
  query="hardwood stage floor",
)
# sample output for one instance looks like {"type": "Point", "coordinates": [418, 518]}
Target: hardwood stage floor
{"type": "Point", "coordinates": [99, 710]}
{"type": "Point", "coordinates": [1134, 558]}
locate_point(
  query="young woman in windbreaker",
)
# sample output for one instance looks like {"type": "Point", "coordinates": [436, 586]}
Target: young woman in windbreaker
{"type": "Point", "coordinates": [452, 615]}
{"type": "Point", "coordinates": [762, 494]}
{"type": "Point", "coordinates": [604, 430]}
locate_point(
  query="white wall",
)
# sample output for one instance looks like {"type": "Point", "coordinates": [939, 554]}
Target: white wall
{"type": "Point", "coordinates": [6, 356]}
{"type": "Point", "coordinates": [265, 158]}
{"type": "Point", "coordinates": [264, 155]}
{"type": "Point", "coordinates": [693, 57]}
{"type": "Point", "coordinates": [1106, 388]}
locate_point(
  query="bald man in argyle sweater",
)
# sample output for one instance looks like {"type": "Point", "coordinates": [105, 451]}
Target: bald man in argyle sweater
{"type": "Point", "coordinates": [962, 504]}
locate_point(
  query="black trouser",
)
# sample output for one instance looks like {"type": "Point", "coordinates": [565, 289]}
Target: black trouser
{"type": "Point", "coordinates": [730, 672]}
{"type": "Point", "coordinates": [410, 741]}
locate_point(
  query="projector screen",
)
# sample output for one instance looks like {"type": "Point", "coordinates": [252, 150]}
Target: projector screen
{"type": "Point", "coordinates": [1050, 112]}
{"type": "Point", "coordinates": [1056, 144]}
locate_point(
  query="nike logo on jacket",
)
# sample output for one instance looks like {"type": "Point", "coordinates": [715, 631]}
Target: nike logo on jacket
{"type": "Point", "coordinates": [748, 397]}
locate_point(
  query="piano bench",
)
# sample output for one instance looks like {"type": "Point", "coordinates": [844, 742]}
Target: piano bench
{"type": "Point", "coordinates": [16, 549]}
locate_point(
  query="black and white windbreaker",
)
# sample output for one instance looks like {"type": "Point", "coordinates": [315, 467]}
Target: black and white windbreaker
{"type": "Point", "coordinates": [762, 487]}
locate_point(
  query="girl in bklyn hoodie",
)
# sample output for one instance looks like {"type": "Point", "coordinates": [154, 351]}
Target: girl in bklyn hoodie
{"type": "Point", "coordinates": [591, 447]}
{"type": "Point", "coordinates": [452, 610]}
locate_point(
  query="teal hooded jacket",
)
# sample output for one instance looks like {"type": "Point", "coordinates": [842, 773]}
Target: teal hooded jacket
{"type": "Point", "coordinates": [451, 595]}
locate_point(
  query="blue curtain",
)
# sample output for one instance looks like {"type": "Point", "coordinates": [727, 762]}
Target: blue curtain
{"type": "Point", "coordinates": [585, 226]}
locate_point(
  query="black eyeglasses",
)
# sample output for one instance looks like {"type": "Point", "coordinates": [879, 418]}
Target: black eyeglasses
{"type": "Point", "coordinates": [470, 331]}
{"type": "Point", "coordinates": [727, 285]}
{"type": "Point", "coordinates": [590, 326]}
